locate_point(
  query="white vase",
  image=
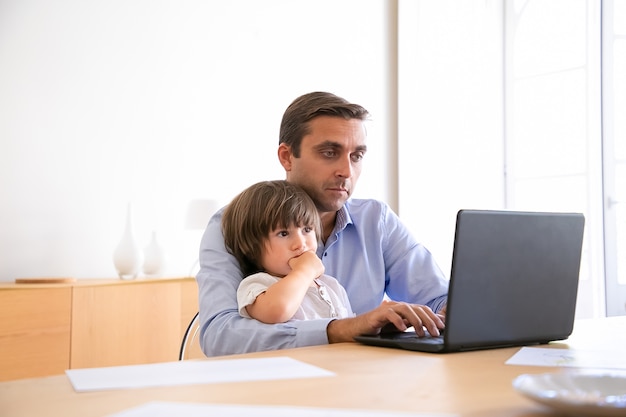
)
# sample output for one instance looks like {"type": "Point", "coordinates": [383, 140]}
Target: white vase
{"type": "Point", "coordinates": [153, 257]}
{"type": "Point", "coordinates": [127, 256]}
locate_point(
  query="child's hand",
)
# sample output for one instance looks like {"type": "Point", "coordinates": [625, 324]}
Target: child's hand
{"type": "Point", "coordinates": [308, 262]}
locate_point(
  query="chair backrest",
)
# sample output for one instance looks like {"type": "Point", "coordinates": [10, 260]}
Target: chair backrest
{"type": "Point", "coordinates": [190, 345]}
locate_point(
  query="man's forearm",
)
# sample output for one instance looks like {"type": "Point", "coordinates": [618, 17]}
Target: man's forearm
{"type": "Point", "coordinates": [343, 330]}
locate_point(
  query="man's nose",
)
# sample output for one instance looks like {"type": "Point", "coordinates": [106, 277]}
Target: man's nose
{"type": "Point", "coordinates": [344, 167]}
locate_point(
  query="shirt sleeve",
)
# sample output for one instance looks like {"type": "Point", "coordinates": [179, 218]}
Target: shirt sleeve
{"type": "Point", "coordinates": [222, 329]}
{"type": "Point", "coordinates": [412, 273]}
{"type": "Point", "coordinates": [250, 288]}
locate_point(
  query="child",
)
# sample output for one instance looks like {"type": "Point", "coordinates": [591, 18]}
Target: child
{"type": "Point", "coordinates": [272, 229]}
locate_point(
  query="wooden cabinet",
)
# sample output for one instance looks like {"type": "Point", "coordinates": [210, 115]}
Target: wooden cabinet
{"type": "Point", "coordinates": [34, 331]}
{"type": "Point", "coordinates": [46, 329]}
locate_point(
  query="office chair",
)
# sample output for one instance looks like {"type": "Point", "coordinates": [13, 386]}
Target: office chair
{"type": "Point", "coordinates": [190, 347]}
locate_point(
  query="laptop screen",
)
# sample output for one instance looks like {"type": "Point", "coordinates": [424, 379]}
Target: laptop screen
{"type": "Point", "coordinates": [514, 276]}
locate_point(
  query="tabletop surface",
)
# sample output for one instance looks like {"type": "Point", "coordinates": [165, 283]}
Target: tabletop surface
{"type": "Point", "coordinates": [477, 383]}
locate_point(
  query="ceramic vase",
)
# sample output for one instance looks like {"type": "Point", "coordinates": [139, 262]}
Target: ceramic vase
{"type": "Point", "coordinates": [127, 256]}
{"type": "Point", "coordinates": [153, 257]}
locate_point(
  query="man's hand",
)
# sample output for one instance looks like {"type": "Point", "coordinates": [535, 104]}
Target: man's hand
{"type": "Point", "coordinates": [400, 315]}
{"type": "Point", "coordinates": [442, 312]}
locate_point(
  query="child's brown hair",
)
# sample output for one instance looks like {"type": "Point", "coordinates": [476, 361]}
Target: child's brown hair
{"type": "Point", "coordinates": [260, 209]}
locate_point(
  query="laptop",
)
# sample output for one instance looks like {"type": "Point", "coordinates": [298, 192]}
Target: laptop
{"type": "Point", "coordinates": [514, 282]}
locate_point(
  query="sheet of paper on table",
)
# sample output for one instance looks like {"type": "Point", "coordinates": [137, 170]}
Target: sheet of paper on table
{"type": "Point", "coordinates": [191, 372]}
{"type": "Point", "coordinates": [575, 358]}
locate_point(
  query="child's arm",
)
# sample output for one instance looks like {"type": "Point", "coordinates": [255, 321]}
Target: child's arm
{"type": "Point", "coordinates": [281, 300]}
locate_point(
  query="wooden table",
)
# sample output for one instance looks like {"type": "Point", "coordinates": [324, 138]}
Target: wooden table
{"type": "Point", "coordinates": [466, 384]}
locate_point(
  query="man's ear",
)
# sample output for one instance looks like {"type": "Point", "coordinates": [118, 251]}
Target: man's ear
{"type": "Point", "coordinates": [284, 156]}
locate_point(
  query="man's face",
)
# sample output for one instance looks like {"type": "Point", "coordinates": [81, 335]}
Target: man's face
{"type": "Point", "coordinates": [330, 160]}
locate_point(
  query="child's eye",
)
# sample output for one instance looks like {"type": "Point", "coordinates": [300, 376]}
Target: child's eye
{"type": "Point", "coordinates": [308, 229]}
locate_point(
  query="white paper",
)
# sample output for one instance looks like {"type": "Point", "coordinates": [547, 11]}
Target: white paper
{"type": "Point", "coordinates": [604, 359]}
{"type": "Point", "coordinates": [168, 409]}
{"type": "Point", "coordinates": [191, 372]}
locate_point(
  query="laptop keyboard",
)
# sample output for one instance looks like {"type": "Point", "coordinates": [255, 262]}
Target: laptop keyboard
{"type": "Point", "coordinates": [425, 339]}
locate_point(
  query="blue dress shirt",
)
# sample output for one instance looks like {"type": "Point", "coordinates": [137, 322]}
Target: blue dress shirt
{"type": "Point", "coordinates": [370, 252]}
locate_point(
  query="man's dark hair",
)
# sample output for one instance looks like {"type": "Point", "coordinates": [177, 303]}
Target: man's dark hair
{"type": "Point", "coordinates": [295, 123]}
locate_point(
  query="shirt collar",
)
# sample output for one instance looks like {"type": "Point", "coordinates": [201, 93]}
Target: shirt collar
{"type": "Point", "coordinates": [343, 219]}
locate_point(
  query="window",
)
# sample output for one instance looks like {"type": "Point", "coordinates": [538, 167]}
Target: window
{"type": "Point", "coordinates": [614, 155]}
{"type": "Point", "coordinates": [507, 105]}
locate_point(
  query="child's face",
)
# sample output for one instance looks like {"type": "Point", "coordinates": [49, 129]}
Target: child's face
{"type": "Point", "coordinates": [284, 244]}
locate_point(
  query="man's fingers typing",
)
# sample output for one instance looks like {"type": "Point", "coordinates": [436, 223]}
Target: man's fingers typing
{"type": "Point", "coordinates": [419, 317]}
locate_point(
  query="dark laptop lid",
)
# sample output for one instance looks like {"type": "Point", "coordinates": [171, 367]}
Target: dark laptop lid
{"type": "Point", "coordinates": [514, 278]}
{"type": "Point", "coordinates": [514, 281]}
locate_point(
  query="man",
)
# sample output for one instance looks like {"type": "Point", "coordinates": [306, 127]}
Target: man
{"type": "Point", "coordinates": [364, 245]}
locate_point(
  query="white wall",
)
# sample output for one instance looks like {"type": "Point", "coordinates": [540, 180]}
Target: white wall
{"type": "Point", "coordinates": [157, 103]}
{"type": "Point", "coordinates": [451, 144]}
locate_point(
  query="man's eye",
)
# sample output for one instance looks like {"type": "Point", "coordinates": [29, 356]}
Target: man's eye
{"type": "Point", "coordinates": [329, 153]}
{"type": "Point", "coordinates": [356, 157]}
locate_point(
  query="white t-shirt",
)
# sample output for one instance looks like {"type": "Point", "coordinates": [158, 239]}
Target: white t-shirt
{"type": "Point", "coordinates": [328, 299]}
